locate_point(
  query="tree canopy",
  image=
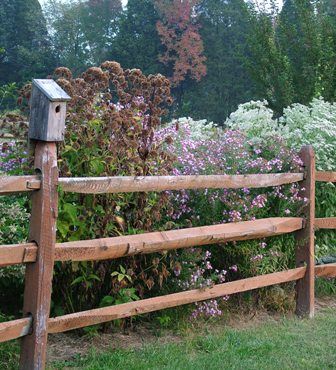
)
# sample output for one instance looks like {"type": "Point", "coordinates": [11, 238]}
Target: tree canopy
{"type": "Point", "coordinates": [217, 53]}
{"type": "Point", "coordinates": [24, 39]}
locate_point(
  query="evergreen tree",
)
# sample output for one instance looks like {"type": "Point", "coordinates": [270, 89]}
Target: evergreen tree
{"type": "Point", "coordinates": [24, 38]}
{"type": "Point", "coordinates": [100, 22]}
{"type": "Point", "coordinates": [224, 28]}
{"type": "Point", "coordinates": [297, 34]}
{"type": "Point", "coordinates": [137, 44]}
{"type": "Point", "coordinates": [268, 65]}
{"type": "Point", "coordinates": [327, 65]}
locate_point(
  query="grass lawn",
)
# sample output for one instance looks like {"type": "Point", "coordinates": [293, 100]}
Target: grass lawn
{"type": "Point", "coordinates": [286, 344]}
{"type": "Point", "coordinates": [264, 342]}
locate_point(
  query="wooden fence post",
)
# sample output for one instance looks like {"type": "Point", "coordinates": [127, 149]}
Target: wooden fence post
{"type": "Point", "coordinates": [46, 127]}
{"type": "Point", "coordinates": [305, 251]}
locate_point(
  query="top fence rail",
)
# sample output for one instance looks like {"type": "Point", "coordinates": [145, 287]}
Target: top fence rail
{"type": "Point", "coordinates": [129, 184]}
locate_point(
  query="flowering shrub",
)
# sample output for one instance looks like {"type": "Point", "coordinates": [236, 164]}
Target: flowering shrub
{"type": "Point", "coordinates": [300, 125]}
{"type": "Point", "coordinates": [111, 121]}
{"type": "Point", "coordinates": [14, 221]}
{"type": "Point", "coordinates": [113, 129]}
{"type": "Point", "coordinates": [12, 157]}
{"type": "Point", "coordinates": [203, 149]}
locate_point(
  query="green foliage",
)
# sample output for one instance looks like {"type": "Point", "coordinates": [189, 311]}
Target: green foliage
{"type": "Point", "coordinates": [268, 65]}
{"type": "Point", "coordinates": [225, 28]}
{"type": "Point", "coordinates": [292, 54]}
{"type": "Point", "coordinates": [124, 295]}
{"type": "Point", "coordinates": [9, 353]}
{"type": "Point", "coordinates": [14, 223]}
{"type": "Point", "coordinates": [121, 275]}
{"type": "Point", "coordinates": [298, 37]}
{"type": "Point", "coordinates": [204, 149]}
{"type": "Point", "coordinates": [8, 96]}
{"type": "Point", "coordinates": [82, 31]}
{"type": "Point", "coordinates": [325, 287]}
{"type": "Point", "coordinates": [112, 119]}
{"type": "Point", "coordinates": [25, 40]}
{"type": "Point", "coordinates": [312, 124]}
{"type": "Point", "coordinates": [327, 70]}
{"type": "Point", "coordinates": [164, 320]}
{"type": "Point", "coordinates": [137, 44]}
{"type": "Point", "coordinates": [13, 208]}
{"type": "Point", "coordinates": [300, 125]}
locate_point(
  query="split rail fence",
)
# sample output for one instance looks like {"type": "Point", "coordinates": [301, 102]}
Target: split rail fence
{"type": "Point", "coordinates": [42, 251]}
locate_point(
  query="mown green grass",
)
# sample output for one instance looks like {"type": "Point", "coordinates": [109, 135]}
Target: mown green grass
{"type": "Point", "coordinates": [288, 344]}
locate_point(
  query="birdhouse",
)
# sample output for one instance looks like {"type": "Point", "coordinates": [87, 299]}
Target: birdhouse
{"type": "Point", "coordinates": [47, 111]}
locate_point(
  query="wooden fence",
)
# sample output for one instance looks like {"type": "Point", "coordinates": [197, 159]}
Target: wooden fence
{"type": "Point", "coordinates": [42, 251]}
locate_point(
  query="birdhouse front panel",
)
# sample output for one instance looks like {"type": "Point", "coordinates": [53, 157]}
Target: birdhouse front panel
{"type": "Point", "coordinates": [48, 111]}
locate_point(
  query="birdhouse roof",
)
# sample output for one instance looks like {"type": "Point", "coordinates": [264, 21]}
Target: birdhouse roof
{"type": "Point", "coordinates": [51, 90]}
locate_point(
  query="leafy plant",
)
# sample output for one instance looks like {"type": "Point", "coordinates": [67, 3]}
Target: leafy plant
{"type": "Point", "coordinates": [111, 123]}
{"type": "Point", "coordinates": [8, 95]}
{"type": "Point", "coordinates": [121, 275]}
{"type": "Point", "coordinates": [300, 125]}
{"type": "Point", "coordinates": [204, 149]}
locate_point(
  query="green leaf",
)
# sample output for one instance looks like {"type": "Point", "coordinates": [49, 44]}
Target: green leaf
{"type": "Point", "coordinates": [106, 301]}
{"type": "Point", "coordinates": [129, 278]}
{"type": "Point", "coordinates": [94, 277]}
{"type": "Point", "coordinates": [63, 228]}
{"type": "Point", "coordinates": [78, 280]}
{"type": "Point", "coordinates": [71, 211]}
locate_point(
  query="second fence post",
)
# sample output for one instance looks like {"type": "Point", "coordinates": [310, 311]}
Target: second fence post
{"type": "Point", "coordinates": [305, 248]}
{"type": "Point", "coordinates": [46, 127]}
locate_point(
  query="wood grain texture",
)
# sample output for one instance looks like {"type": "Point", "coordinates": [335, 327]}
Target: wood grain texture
{"type": "Point", "coordinates": [51, 90]}
{"type": "Point", "coordinates": [47, 111]}
{"type": "Point", "coordinates": [121, 246]}
{"type": "Point", "coordinates": [328, 270]}
{"type": "Point", "coordinates": [127, 184]}
{"type": "Point", "coordinates": [100, 315]}
{"type": "Point", "coordinates": [109, 248]}
{"type": "Point", "coordinates": [17, 253]}
{"type": "Point", "coordinates": [325, 223]}
{"type": "Point", "coordinates": [305, 251]}
{"type": "Point", "coordinates": [14, 184]}
{"type": "Point", "coordinates": [18, 328]}
{"type": "Point", "coordinates": [15, 329]}
{"type": "Point", "coordinates": [39, 274]}
{"type": "Point", "coordinates": [326, 176]}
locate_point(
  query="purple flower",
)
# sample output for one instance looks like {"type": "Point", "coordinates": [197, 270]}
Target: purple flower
{"type": "Point", "coordinates": [234, 268]}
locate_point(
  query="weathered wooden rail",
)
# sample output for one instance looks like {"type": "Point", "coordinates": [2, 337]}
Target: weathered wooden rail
{"type": "Point", "coordinates": [40, 253]}
{"type": "Point", "coordinates": [123, 246]}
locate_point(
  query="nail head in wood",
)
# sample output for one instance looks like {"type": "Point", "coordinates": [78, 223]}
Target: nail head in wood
{"type": "Point", "coordinates": [47, 111]}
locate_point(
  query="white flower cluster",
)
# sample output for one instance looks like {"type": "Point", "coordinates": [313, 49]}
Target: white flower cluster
{"type": "Point", "coordinates": [300, 125]}
{"type": "Point", "coordinates": [199, 130]}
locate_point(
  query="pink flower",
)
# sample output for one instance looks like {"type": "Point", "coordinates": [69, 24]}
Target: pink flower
{"type": "Point", "coordinates": [234, 268]}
